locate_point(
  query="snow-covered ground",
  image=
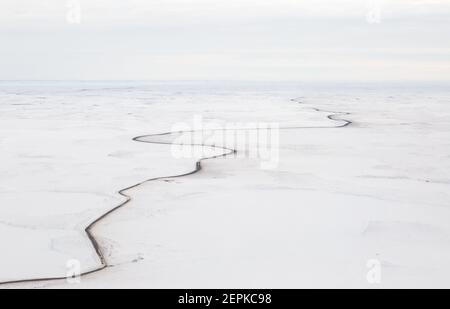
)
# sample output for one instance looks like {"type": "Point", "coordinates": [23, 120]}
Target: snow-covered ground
{"type": "Point", "coordinates": [366, 205]}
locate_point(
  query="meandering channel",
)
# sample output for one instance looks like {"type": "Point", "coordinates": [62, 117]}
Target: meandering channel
{"type": "Point", "coordinates": [332, 115]}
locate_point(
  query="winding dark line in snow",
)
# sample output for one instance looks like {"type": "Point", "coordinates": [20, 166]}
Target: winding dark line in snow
{"type": "Point", "coordinates": [333, 115]}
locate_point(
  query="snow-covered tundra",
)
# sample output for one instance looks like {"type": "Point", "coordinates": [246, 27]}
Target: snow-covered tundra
{"type": "Point", "coordinates": [361, 204]}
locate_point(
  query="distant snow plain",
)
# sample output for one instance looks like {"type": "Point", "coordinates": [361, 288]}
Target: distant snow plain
{"type": "Point", "coordinates": [340, 203]}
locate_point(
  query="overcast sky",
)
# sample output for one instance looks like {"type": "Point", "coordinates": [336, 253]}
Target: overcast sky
{"type": "Point", "coordinates": [225, 40]}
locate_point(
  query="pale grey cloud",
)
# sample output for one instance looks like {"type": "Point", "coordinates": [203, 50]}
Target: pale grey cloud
{"type": "Point", "coordinates": [232, 39]}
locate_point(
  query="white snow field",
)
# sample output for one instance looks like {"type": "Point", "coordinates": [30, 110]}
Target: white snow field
{"type": "Point", "coordinates": [365, 205]}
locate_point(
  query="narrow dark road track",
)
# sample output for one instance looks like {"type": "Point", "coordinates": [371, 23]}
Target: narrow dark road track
{"type": "Point", "coordinates": [332, 115]}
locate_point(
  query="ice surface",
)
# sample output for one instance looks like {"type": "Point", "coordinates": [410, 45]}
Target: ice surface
{"type": "Point", "coordinates": [339, 197]}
